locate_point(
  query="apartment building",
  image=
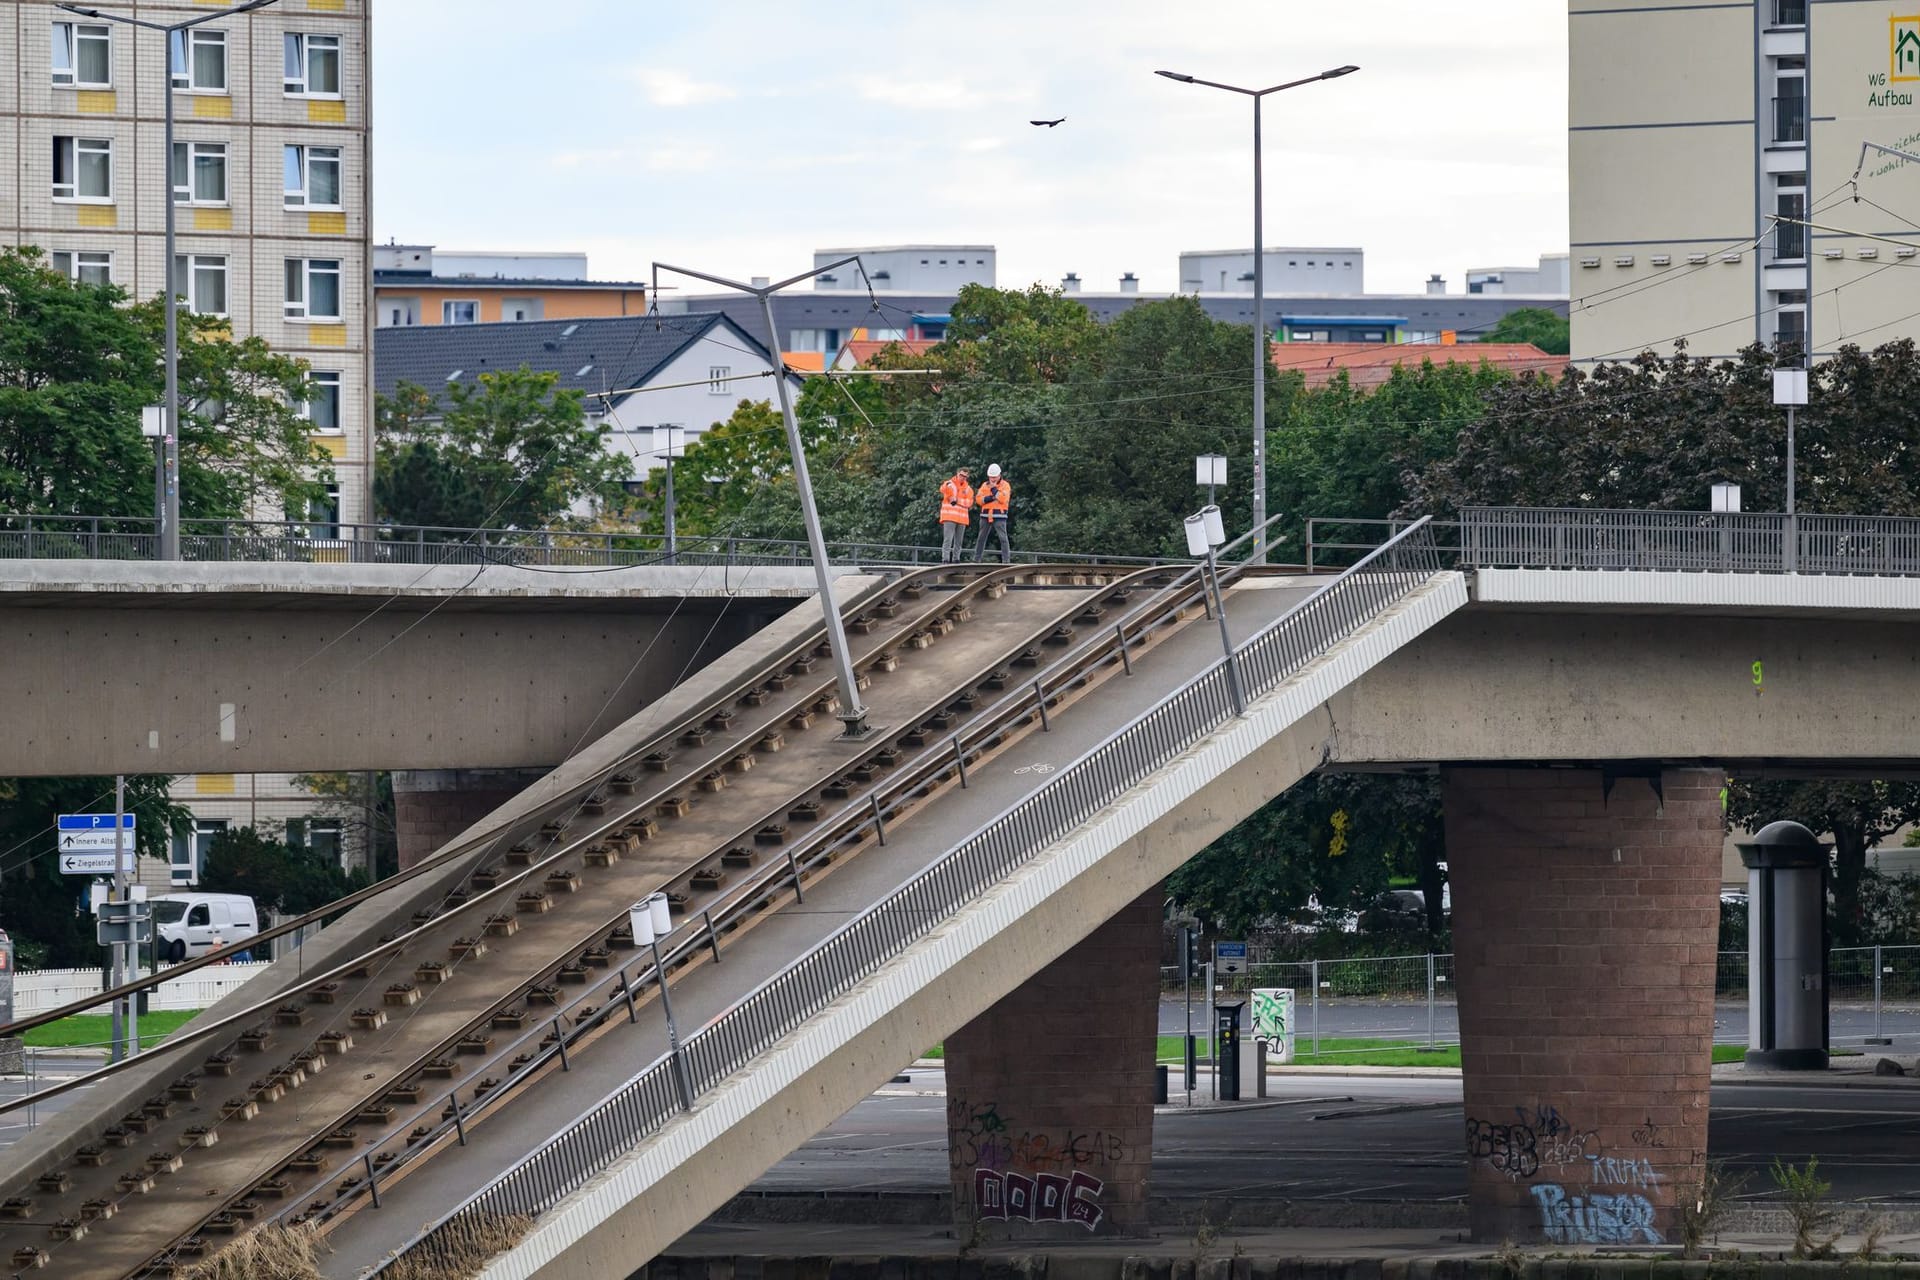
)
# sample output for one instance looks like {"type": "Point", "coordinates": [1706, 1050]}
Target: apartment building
{"type": "Point", "coordinates": [419, 284]}
{"type": "Point", "coordinates": [1712, 153]}
{"type": "Point", "coordinates": [269, 175]}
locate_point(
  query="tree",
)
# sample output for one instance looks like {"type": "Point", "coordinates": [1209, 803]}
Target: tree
{"type": "Point", "coordinates": [513, 450]}
{"type": "Point", "coordinates": [1547, 330]}
{"type": "Point", "coordinates": [43, 909]}
{"type": "Point", "coordinates": [279, 877]}
{"type": "Point", "coordinates": [1338, 838]}
{"type": "Point", "coordinates": [362, 804]}
{"type": "Point", "coordinates": [76, 367]}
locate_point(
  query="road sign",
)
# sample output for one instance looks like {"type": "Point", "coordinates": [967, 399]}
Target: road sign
{"type": "Point", "coordinates": [1229, 957]}
{"type": "Point", "coordinates": [123, 922]}
{"type": "Point", "coordinates": [87, 864]}
{"type": "Point", "coordinates": [92, 833]}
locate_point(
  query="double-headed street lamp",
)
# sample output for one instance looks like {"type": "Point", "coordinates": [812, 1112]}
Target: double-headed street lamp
{"type": "Point", "coordinates": [1259, 296]}
{"type": "Point", "coordinates": [166, 478]}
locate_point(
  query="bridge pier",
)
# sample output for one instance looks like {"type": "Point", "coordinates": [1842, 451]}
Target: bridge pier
{"type": "Point", "coordinates": [1585, 922]}
{"type": "Point", "coordinates": [1050, 1093]}
{"type": "Point", "coordinates": [432, 806]}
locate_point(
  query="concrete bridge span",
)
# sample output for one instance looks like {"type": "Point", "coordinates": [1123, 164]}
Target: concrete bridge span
{"type": "Point", "coordinates": [1585, 901]}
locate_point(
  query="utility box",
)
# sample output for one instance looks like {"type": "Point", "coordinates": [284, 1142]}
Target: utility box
{"type": "Point", "coordinates": [1226, 1050]}
{"type": "Point", "coordinates": [1786, 948]}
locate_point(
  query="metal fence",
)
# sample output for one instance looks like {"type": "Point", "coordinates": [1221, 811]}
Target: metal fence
{"type": "Point", "coordinates": [26, 537]}
{"type": "Point", "coordinates": [1669, 541]}
{"type": "Point", "coordinates": [889, 927]}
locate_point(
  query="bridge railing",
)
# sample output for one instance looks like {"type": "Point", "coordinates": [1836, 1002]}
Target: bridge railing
{"type": "Point", "coordinates": [1667, 541]}
{"type": "Point", "coordinates": [33, 537]}
{"type": "Point", "coordinates": [885, 930]}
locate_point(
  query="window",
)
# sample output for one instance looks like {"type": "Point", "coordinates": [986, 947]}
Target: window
{"type": "Point", "coordinates": [84, 268]}
{"type": "Point", "coordinates": [83, 169]}
{"type": "Point", "coordinates": [717, 376]}
{"type": "Point", "coordinates": [82, 55]}
{"type": "Point", "coordinates": [523, 309]}
{"type": "Point", "coordinates": [1789, 13]}
{"type": "Point", "coordinates": [1790, 233]}
{"type": "Point", "coordinates": [323, 522]}
{"type": "Point", "coordinates": [312, 65]}
{"type": "Point", "coordinates": [199, 173]}
{"type": "Point", "coordinates": [189, 853]}
{"type": "Point", "coordinates": [1790, 100]}
{"type": "Point", "coordinates": [199, 60]}
{"type": "Point", "coordinates": [460, 311]}
{"type": "Point", "coordinates": [322, 407]}
{"type": "Point", "coordinates": [320, 835]}
{"type": "Point", "coordinates": [201, 278]}
{"type": "Point", "coordinates": [313, 289]}
{"type": "Point", "coordinates": [313, 177]}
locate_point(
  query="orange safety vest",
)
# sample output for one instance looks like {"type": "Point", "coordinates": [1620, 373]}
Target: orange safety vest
{"type": "Point", "coordinates": [956, 502]}
{"type": "Point", "coordinates": [996, 506]}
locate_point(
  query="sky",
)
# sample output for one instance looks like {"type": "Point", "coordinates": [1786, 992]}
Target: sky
{"type": "Point", "coordinates": [737, 136]}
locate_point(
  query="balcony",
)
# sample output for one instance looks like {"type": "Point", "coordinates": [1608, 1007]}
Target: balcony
{"type": "Point", "coordinates": [1790, 119]}
{"type": "Point", "coordinates": [1789, 13]}
{"type": "Point", "coordinates": [1789, 242]}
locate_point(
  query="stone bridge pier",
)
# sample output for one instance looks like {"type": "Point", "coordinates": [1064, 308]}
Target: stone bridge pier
{"type": "Point", "coordinates": [1585, 924]}
{"type": "Point", "coordinates": [1050, 1093]}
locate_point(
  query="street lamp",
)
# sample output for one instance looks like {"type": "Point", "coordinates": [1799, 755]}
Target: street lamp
{"type": "Point", "coordinates": [166, 477]}
{"type": "Point", "coordinates": [1210, 469]}
{"type": "Point", "coordinates": [663, 447]}
{"type": "Point", "coordinates": [1259, 555]}
{"type": "Point", "coordinates": [852, 713]}
{"type": "Point", "coordinates": [1205, 534]}
{"type": "Point", "coordinates": [649, 918]}
{"type": "Point", "coordinates": [1790, 392]}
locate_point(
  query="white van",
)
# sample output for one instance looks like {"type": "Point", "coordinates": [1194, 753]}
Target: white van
{"type": "Point", "coordinates": [191, 924]}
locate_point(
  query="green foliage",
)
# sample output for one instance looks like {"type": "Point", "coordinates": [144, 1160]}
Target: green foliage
{"type": "Point", "coordinates": [1337, 838]}
{"type": "Point", "coordinates": [512, 451]}
{"type": "Point", "coordinates": [1813, 1215]}
{"type": "Point", "coordinates": [42, 909]}
{"type": "Point", "coordinates": [277, 876]}
{"type": "Point", "coordinates": [362, 803]}
{"type": "Point", "coordinates": [77, 365]}
{"type": "Point", "coordinates": [1701, 1210]}
{"type": "Point", "coordinates": [1547, 330]}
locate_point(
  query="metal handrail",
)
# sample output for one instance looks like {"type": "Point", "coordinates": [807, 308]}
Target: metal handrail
{"type": "Point", "coordinates": [858, 948]}
{"type": "Point", "coordinates": [26, 536]}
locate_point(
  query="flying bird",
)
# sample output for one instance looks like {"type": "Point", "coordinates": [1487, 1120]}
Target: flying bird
{"type": "Point", "coordinates": [1048, 123]}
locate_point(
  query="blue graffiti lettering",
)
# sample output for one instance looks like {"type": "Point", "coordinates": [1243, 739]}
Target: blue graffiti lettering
{"type": "Point", "coordinates": [1594, 1219]}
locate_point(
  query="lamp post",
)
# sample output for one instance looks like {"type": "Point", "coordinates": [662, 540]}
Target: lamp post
{"type": "Point", "coordinates": [1205, 534]}
{"type": "Point", "coordinates": [663, 446]}
{"type": "Point", "coordinates": [852, 713]}
{"type": "Point", "coordinates": [166, 477]}
{"type": "Point", "coordinates": [649, 918]}
{"type": "Point", "coordinates": [1790, 392]}
{"type": "Point", "coordinates": [1259, 555]}
{"type": "Point", "coordinates": [1210, 469]}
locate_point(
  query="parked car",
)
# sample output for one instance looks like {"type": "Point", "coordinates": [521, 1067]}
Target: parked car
{"type": "Point", "coordinates": [191, 924]}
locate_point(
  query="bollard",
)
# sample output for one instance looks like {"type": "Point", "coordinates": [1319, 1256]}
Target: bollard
{"type": "Point", "coordinates": [1430, 985]}
{"type": "Point", "coordinates": [1879, 1035]}
{"type": "Point", "coordinates": [1316, 1007]}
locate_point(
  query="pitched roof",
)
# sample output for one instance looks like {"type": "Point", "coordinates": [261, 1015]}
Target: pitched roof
{"type": "Point", "coordinates": [615, 353]}
{"type": "Point", "coordinates": [856, 353]}
{"type": "Point", "coordinates": [1368, 364]}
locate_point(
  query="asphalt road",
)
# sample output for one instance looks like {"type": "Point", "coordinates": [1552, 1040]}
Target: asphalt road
{"type": "Point", "coordinates": [1407, 1020]}
{"type": "Point", "coordinates": [1375, 1138]}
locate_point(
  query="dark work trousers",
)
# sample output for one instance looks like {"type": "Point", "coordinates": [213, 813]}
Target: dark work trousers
{"type": "Point", "coordinates": [953, 540]}
{"type": "Point", "coordinates": [997, 525]}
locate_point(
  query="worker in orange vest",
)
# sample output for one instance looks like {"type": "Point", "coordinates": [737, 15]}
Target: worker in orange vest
{"type": "Point", "coordinates": [956, 513]}
{"type": "Point", "coordinates": [994, 496]}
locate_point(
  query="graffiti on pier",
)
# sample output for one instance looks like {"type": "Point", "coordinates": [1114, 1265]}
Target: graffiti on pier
{"type": "Point", "coordinates": [1513, 1149]}
{"type": "Point", "coordinates": [1595, 1218]}
{"type": "Point", "coordinates": [1608, 1171]}
{"type": "Point", "coordinates": [1044, 1197]}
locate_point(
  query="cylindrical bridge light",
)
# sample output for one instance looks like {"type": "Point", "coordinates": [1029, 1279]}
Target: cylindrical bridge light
{"type": "Point", "coordinates": [1197, 544]}
{"type": "Point", "coordinates": [640, 919]}
{"type": "Point", "coordinates": [1215, 527]}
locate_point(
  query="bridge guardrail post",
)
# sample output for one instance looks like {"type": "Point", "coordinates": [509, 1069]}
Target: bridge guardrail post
{"type": "Point", "coordinates": [1880, 1035]}
{"type": "Point", "coordinates": [1430, 995]}
{"type": "Point", "coordinates": [1314, 977]}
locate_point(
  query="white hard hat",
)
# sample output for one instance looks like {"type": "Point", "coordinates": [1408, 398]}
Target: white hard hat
{"type": "Point", "coordinates": [993, 470]}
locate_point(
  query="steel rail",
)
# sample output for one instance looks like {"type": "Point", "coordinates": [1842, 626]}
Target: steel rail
{"type": "Point", "coordinates": [441, 858]}
{"type": "Point", "coordinates": [934, 608]}
{"type": "Point", "coordinates": [978, 582]}
{"type": "Point", "coordinates": [732, 909]}
{"type": "Point", "coordinates": [642, 1104]}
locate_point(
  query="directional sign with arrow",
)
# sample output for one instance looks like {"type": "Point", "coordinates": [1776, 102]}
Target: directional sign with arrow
{"type": "Point", "coordinates": [87, 864]}
{"type": "Point", "coordinates": [92, 833]}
